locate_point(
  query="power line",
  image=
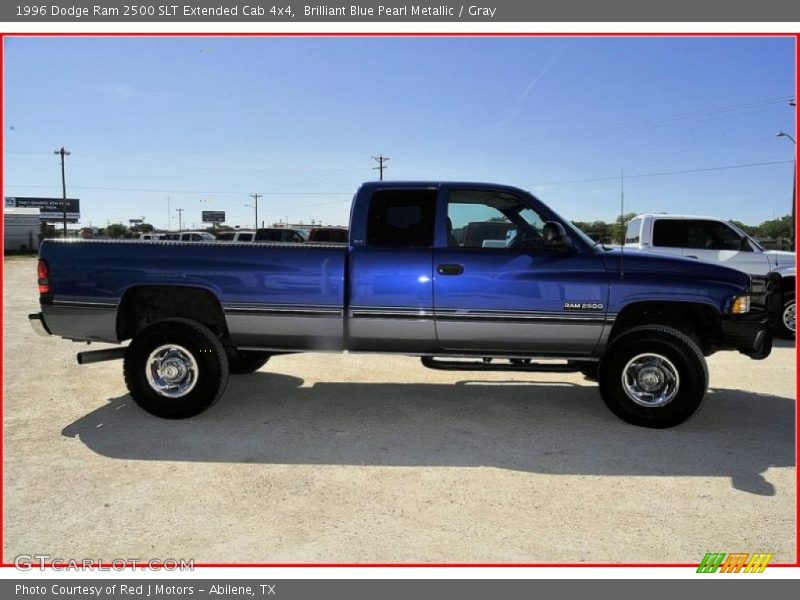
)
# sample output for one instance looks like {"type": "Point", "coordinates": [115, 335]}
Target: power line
{"type": "Point", "coordinates": [660, 173]}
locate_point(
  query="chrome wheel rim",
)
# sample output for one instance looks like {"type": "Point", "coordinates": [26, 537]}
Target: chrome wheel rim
{"type": "Point", "coordinates": [650, 380]}
{"type": "Point", "coordinates": [790, 317]}
{"type": "Point", "coordinates": [171, 371]}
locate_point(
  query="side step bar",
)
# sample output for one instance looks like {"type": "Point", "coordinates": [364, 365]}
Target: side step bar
{"type": "Point", "coordinates": [93, 356]}
{"type": "Point", "coordinates": [486, 364]}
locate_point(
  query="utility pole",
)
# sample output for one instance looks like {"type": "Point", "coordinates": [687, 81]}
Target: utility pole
{"type": "Point", "coordinates": [256, 197]}
{"type": "Point", "coordinates": [380, 160]}
{"type": "Point", "coordinates": [63, 153]}
{"type": "Point", "coordinates": [180, 219]}
{"type": "Point", "coordinates": [794, 186]}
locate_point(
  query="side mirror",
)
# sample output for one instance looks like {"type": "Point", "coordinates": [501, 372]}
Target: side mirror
{"type": "Point", "coordinates": [554, 237]}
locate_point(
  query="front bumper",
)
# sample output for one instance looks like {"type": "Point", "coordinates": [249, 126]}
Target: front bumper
{"type": "Point", "coordinates": [751, 334]}
{"type": "Point", "coordinates": [37, 323]}
{"type": "Point", "coordinates": [753, 338]}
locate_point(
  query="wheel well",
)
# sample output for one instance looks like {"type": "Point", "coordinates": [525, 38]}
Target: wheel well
{"type": "Point", "coordinates": [699, 321]}
{"type": "Point", "coordinates": [144, 305]}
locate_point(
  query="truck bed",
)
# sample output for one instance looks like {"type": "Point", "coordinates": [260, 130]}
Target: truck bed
{"type": "Point", "coordinates": [300, 285]}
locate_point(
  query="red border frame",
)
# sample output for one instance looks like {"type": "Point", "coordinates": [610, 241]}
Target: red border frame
{"type": "Point", "coordinates": [107, 566]}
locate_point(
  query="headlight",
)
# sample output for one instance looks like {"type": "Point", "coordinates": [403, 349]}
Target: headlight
{"type": "Point", "coordinates": [741, 305]}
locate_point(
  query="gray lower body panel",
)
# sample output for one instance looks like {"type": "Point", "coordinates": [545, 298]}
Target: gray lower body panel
{"type": "Point", "coordinates": [78, 320]}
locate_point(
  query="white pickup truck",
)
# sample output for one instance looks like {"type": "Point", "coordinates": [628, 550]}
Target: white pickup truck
{"type": "Point", "coordinates": [715, 240]}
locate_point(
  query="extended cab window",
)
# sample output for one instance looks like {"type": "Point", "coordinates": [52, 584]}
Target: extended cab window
{"type": "Point", "coordinates": [491, 219]}
{"type": "Point", "coordinates": [712, 235]}
{"type": "Point", "coordinates": [402, 218]}
{"type": "Point", "coordinates": [669, 233]}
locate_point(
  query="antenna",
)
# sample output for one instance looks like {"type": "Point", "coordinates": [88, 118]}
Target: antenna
{"type": "Point", "coordinates": [622, 224]}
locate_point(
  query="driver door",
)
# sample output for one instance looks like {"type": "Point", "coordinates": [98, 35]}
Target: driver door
{"type": "Point", "coordinates": [497, 290]}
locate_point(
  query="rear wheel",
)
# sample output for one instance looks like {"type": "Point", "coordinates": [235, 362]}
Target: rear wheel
{"type": "Point", "coordinates": [653, 376]}
{"type": "Point", "coordinates": [787, 326]}
{"type": "Point", "coordinates": [176, 368]}
{"type": "Point", "coordinates": [246, 361]}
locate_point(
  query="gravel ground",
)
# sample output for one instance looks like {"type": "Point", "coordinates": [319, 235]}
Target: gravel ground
{"type": "Point", "coordinates": [337, 458]}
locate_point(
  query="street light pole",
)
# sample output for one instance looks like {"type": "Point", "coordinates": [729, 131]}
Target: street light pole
{"type": "Point", "coordinates": [180, 220]}
{"type": "Point", "coordinates": [63, 153]}
{"type": "Point", "coordinates": [794, 184]}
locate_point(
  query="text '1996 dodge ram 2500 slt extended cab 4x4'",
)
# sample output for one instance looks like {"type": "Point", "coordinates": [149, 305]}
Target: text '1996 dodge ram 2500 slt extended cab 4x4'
{"type": "Point", "coordinates": [467, 276]}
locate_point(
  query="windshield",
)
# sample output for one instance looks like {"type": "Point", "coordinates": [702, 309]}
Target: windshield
{"type": "Point", "coordinates": [744, 234]}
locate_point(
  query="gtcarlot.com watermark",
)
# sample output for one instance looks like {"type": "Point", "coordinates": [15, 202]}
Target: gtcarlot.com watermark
{"type": "Point", "coordinates": [29, 562]}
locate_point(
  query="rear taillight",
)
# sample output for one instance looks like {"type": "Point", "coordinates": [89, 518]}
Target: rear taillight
{"type": "Point", "coordinates": [44, 277]}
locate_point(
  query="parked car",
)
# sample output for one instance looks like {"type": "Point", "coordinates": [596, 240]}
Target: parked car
{"type": "Point", "coordinates": [642, 324]}
{"type": "Point", "coordinates": [718, 241]}
{"type": "Point", "coordinates": [279, 234]}
{"type": "Point", "coordinates": [334, 235]}
{"type": "Point", "coordinates": [189, 236]}
{"type": "Point", "coordinates": [151, 237]}
{"type": "Point", "coordinates": [236, 236]}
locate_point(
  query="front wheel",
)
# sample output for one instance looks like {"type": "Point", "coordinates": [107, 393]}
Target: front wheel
{"type": "Point", "coordinates": [787, 326]}
{"type": "Point", "coordinates": [653, 376]}
{"type": "Point", "coordinates": [176, 368]}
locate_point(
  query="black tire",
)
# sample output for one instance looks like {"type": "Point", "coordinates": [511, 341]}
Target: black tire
{"type": "Point", "coordinates": [784, 330]}
{"type": "Point", "coordinates": [247, 361]}
{"type": "Point", "coordinates": [683, 356]}
{"type": "Point", "coordinates": [205, 384]}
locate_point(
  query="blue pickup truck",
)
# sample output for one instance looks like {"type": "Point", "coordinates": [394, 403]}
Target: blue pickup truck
{"type": "Point", "coordinates": [467, 276]}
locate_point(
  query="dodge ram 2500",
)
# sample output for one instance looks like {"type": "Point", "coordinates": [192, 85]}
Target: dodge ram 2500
{"type": "Point", "coordinates": [420, 276]}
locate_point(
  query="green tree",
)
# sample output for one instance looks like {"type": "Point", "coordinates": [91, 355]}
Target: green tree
{"type": "Point", "coordinates": [117, 230]}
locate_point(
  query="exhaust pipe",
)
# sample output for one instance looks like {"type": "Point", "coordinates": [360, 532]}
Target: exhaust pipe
{"type": "Point", "coordinates": [93, 356]}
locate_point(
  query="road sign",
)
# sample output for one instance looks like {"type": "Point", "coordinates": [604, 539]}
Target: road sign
{"type": "Point", "coordinates": [213, 216]}
{"type": "Point", "coordinates": [50, 209]}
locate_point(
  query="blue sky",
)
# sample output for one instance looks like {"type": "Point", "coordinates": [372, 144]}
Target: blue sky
{"type": "Point", "coordinates": [207, 121]}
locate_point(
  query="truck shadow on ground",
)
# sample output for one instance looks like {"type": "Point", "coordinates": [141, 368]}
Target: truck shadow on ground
{"type": "Point", "coordinates": [554, 428]}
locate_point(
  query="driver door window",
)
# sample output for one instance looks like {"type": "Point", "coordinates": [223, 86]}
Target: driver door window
{"type": "Point", "coordinates": [478, 219]}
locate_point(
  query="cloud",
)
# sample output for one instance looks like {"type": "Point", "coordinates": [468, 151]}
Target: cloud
{"type": "Point", "coordinates": [126, 91]}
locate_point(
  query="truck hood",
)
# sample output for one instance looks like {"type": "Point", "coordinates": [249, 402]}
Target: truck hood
{"type": "Point", "coordinates": [636, 261]}
{"type": "Point", "coordinates": [780, 258]}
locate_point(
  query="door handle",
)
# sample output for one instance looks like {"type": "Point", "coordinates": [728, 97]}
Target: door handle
{"type": "Point", "coordinates": [450, 269]}
{"type": "Point", "coordinates": [690, 256]}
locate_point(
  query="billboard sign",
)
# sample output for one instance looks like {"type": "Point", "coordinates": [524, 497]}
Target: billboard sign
{"type": "Point", "coordinates": [213, 216]}
{"type": "Point", "coordinates": [50, 209]}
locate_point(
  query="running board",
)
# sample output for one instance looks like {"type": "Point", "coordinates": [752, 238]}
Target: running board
{"type": "Point", "coordinates": [485, 364]}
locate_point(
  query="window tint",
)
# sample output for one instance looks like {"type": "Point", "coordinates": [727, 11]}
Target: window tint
{"type": "Point", "coordinates": [489, 219]}
{"type": "Point", "coordinates": [712, 235]}
{"type": "Point", "coordinates": [669, 233]}
{"type": "Point", "coordinates": [633, 231]}
{"type": "Point", "coordinates": [225, 237]}
{"type": "Point", "coordinates": [401, 218]}
{"type": "Point", "coordinates": [245, 237]}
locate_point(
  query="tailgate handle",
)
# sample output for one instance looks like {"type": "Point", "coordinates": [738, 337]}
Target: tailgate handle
{"type": "Point", "coordinates": [450, 269]}
{"type": "Point", "coordinates": [690, 256]}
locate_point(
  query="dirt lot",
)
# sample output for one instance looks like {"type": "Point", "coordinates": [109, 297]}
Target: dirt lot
{"type": "Point", "coordinates": [320, 458]}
